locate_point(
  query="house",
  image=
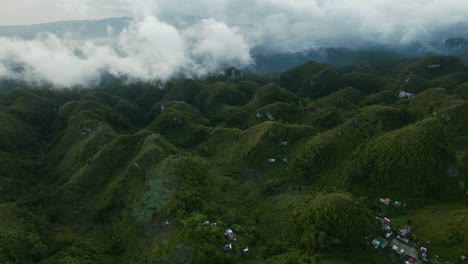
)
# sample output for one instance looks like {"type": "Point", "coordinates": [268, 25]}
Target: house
{"type": "Point", "coordinates": [385, 201]}
{"type": "Point", "coordinates": [404, 232]}
{"type": "Point", "coordinates": [404, 94]}
{"type": "Point", "coordinates": [230, 235]}
{"type": "Point", "coordinates": [86, 130]}
{"type": "Point", "coordinates": [433, 66]}
{"type": "Point", "coordinates": [271, 160]}
{"type": "Point", "coordinates": [385, 223]}
{"type": "Point", "coordinates": [270, 117]}
{"type": "Point", "coordinates": [411, 261]}
{"type": "Point", "coordinates": [379, 243]}
{"type": "Point", "coordinates": [227, 247]}
{"type": "Point", "coordinates": [424, 256]}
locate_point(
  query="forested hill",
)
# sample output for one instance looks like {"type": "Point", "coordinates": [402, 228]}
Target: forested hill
{"type": "Point", "coordinates": [294, 166]}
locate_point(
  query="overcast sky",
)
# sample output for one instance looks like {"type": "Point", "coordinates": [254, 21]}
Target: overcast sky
{"type": "Point", "coordinates": [200, 36]}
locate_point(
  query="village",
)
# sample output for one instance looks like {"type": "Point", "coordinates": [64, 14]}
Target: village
{"type": "Point", "coordinates": [400, 241]}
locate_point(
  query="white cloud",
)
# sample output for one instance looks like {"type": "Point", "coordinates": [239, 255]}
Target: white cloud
{"type": "Point", "coordinates": [147, 50]}
{"type": "Point", "coordinates": [213, 45]}
{"type": "Point", "coordinates": [172, 37]}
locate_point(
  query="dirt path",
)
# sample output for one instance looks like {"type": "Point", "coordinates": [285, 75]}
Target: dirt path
{"type": "Point", "coordinates": [410, 251]}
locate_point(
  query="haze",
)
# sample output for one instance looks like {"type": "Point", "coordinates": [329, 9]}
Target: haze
{"type": "Point", "coordinates": [195, 38]}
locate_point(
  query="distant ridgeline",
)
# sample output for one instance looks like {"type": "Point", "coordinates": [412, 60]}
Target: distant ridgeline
{"type": "Point", "coordinates": [80, 28]}
{"type": "Point", "coordinates": [339, 57]}
{"type": "Point", "coordinates": [292, 166]}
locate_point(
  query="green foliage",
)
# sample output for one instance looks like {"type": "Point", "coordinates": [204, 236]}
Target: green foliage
{"type": "Point", "coordinates": [270, 93]}
{"type": "Point", "coordinates": [233, 116]}
{"type": "Point", "coordinates": [128, 173]}
{"type": "Point", "coordinates": [368, 83]}
{"type": "Point", "coordinates": [326, 151]}
{"type": "Point", "coordinates": [447, 65]}
{"type": "Point", "coordinates": [212, 97]}
{"type": "Point", "coordinates": [312, 80]}
{"type": "Point", "coordinates": [329, 222]}
{"type": "Point", "coordinates": [20, 241]}
{"type": "Point", "coordinates": [411, 162]}
{"type": "Point", "coordinates": [180, 123]}
{"type": "Point", "coordinates": [35, 109]}
{"type": "Point", "coordinates": [385, 97]}
{"type": "Point", "coordinates": [183, 90]}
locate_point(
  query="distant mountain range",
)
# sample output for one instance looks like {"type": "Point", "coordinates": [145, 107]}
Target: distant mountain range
{"type": "Point", "coordinates": [339, 56]}
{"type": "Point", "coordinates": [85, 29]}
{"type": "Point", "coordinates": [265, 62]}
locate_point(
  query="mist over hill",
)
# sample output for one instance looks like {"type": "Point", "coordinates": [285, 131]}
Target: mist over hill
{"type": "Point", "coordinates": [234, 132]}
{"type": "Point", "coordinates": [167, 39]}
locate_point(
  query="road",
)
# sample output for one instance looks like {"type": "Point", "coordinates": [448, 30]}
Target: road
{"type": "Point", "coordinates": [410, 251]}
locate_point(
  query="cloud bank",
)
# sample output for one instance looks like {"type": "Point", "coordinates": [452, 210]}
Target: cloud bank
{"type": "Point", "coordinates": [194, 38]}
{"type": "Point", "coordinates": [147, 50]}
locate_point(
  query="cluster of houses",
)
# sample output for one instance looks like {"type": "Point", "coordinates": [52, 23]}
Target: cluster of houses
{"type": "Point", "coordinates": [390, 202]}
{"type": "Point", "coordinates": [268, 116]}
{"type": "Point", "coordinates": [400, 241]}
{"type": "Point", "coordinates": [283, 160]}
{"type": "Point", "coordinates": [230, 236]}
{"type": "Point", "coordinates": [433, 66]}
{"type": "Point", "coordinates": [86, 130]}
{"type": "Point", "coordinates": [280, 160]}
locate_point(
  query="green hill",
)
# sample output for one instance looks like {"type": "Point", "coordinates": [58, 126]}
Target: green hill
{"type": "Point", "coordinates": [156, 173]}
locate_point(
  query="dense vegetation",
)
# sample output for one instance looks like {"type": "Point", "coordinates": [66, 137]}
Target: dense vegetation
{"type": "Point", "coordinates": [129, 173]}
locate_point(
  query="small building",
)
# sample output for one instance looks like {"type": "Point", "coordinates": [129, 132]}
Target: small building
{"type": "Point", "coordinates": [385, 201]}
{"type": "Point", "coordinates": [271, 160]}
{"type": "Point", "coordinates": [227, 247]}
{"type": "Point", "coordinates": [245, 250]}
{"type": "Point", "coordinates": [385, 223]}
{"type": "Point", "coordinates": [86, 130]}
{"type": "Point", "coordinates": [230, 235]}
{"type": "Point", "coordinates": [379, 243]}
{"type": "Point", "coordinates": [424, 255]}
{"type": "Point", "coordinates": [404, 232]}
{"type": "Point", "coordinates": [404, 94]}
{"type": "Point", "coordinates": [411, 261]}
{"type": "Point", "coordinates": [270, 117]}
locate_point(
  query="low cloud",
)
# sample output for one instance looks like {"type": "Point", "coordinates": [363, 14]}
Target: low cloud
{"type": "Point", "coordinates": [147, 50]}
{"type": "Point", "coordinates": [193, 38]}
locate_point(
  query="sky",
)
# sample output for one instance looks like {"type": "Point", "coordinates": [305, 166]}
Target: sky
{"type": "Point", "coordinates": [196, 37]}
